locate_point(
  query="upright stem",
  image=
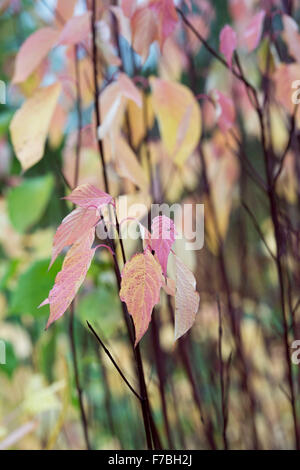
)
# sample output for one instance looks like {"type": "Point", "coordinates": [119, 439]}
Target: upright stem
{"type": "Point", "coordinates": [108, 400]}
{"type": "Point", "coordinates": [79, 117]}
{"type": "Point", "coordinates": [96, 96]}
{"type": "Point", "coordinates": [71, 319]}
{"type": "Point", "coordinates": [77, 380]}
{"type": "Point", "coordinates": [280, 273]}
{"type": "Point", "coordinates": [159, 362]}
{"type": "Point", "coordinates": [146, 412]}
{"type": "Point", "coordinates": [273, 208]}
{"type": "Point", "coordinates": [235, 327]}
{"type": "Point", "coordinates": [222, 385]}
{"type": "Point", "coordinates": [186, 362]}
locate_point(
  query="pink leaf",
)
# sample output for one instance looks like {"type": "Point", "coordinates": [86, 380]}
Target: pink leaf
{"type": "Point", "coordinates": [64, 10]}
{"type": "Point", "coordinates": [251, 37]}
{"type": "Point", "coordinates": [169, 286]}
{"type": "Point", "coordinates": [284, 77]}
{"type": "Point", "coordinates": [129, 89]}
{"type": "Point", "coordinates": [166, 18]}
{"type": "Point", "coordinates": [228, 43]}
{"type": "Point", "coordinates": [76, 30]}
{"type": "Point", "coordinates": [162, 238]}
{"type": "Point", "coordinates": [189, 4]}
{"type": "Point", "coordinates": [70, 278]}
{"type": "Point", "coordinates": [128, 7]}
{"type": "Point", "coordinates": [140, 289]}
{"type": "Point", "coordinates": [33, 51]}
{"type": "Point", "coordinates": [186, 299]}
{"type": "Point", "coordinates": [226, 111]}
{"type": "Point", "coordinates": [73, 229]}
{"type": "Point", "coordinates": [88, 195]}
{"type": "Point", "coordinates": [144, 31]}
{"type": "Point", "coordinates": [291, 36]}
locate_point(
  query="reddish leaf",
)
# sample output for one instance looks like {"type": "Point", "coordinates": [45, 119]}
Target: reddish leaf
{"type": "Point", "coordinates": [291, 36]}
{"type": "Point", "coordinates": [88, 195]}
{"type": "Point", "coordinates": [166, 18]}
{"type": "Point", "coordinates": [228, 43]}
{"type": "Point", "coordinates": [33, 51]}
{"type": "Point", "coordinates": [140, 289]}
{"type": "Point", "coordinates": [162, 238]}
{"type": "Point", "coordinates": [284, 77]}
{"type": "Point", "coordinates": [186, 299]}
{"type": "Point", "coordinates": [70, 278]}
{"type": "Point", "coordinates": [251, 37]}
{"type": "Point", "coordinates": [189, 4]}
{"type": "Point", "coordinates": [128, 7]}
{"type": "Point", "coordinates": [129, 89]}
{"type": "Point", "coordinates": [144, 31]}
{"type": "Point", "coordinates": [226, 111]}
{"type": "Point", "coordinates": [64, 10]}
{"type": "Point", "coordinates": [76, 30]}
{"type": "Point", "coordinates": [73, 229]}
{"type": "Point", "coordinates": [169, 286]}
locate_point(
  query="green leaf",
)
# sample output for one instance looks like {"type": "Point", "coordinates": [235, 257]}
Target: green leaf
{"type": "Point", "coordinates": [27, 202]}
{"type": "Point", "coordinates": [5, 118]}
{"type": "Point", "coordinates": [33, 287]}
{"type": "Point", "coordinates": [11, 361]}
{"type": "Point", "coordinates": [10, 269]}
{"type": "Point", "coordinates": [102, 307]}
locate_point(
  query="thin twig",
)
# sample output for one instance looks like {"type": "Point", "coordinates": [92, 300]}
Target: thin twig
{"type": "Point", "coordinates": [148, 421]}
{"type": "Point", "coordinates": [288, 145]}
{"type": "Point", "coordinates": [273, 208]}
{"type": "Point", "coordinates": [79, 116]}
{"type": "Point", "coordinates": [96, 96]}
{"type": "Point", "coordinates": [222, 386]}
{"type": "Point", "coordinates": [113, 361]}
{"type": "Point", "coordinates": [257, 227]}
{"type": "Point", "coordinates": [77, 380]}
{"type": "Point", "coordinates": [71, 320]}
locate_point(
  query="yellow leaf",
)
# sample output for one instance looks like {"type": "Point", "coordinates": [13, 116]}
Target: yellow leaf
{"type": "Point", "coordinates": [179, 118]}
{"type": "Point", "coordinates": [30, 124]}
{"type": "Point", "coordinates": [222, 172]}
{"type": "Point", "coordinates": [137, 119]}
{"type": "Point", "coordinates": [128, 165]}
